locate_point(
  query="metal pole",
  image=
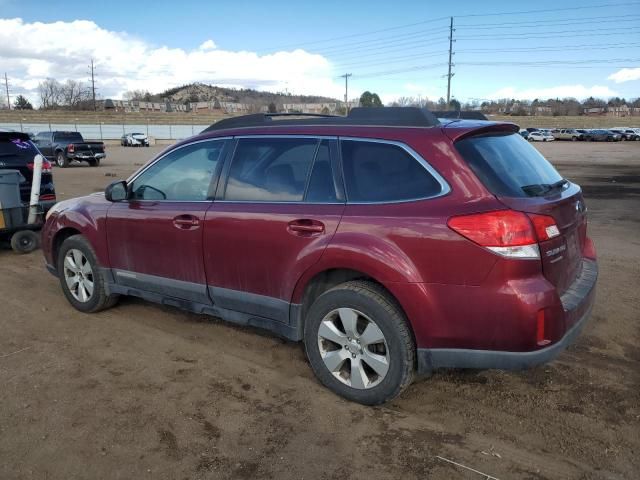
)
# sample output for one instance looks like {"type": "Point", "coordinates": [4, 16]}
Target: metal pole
{"type": "Point", "coordinates": [449, 74]}
{"type": "Point", "coordinates": [6, 86]}
{"type": "Point", "coordinates": [346, 91]}
{"type": "Point", "coordinates": [93, 86]}
{"type": "Point", "coordinates": [35, 189]}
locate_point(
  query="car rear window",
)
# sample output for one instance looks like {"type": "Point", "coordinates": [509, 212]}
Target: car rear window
{"type": "Point", "coordinates": [68, 137]}
{"type": "Point", "coordinates": [16, 148]}
{"type": "Point", "coordinates": [508, 165]}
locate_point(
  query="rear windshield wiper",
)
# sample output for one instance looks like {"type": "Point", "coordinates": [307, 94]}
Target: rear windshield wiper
{"type": "Point", "coordinates": [539, 189]}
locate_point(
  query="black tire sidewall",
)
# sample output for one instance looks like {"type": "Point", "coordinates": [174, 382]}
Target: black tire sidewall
{"type": "Point", "coordinates": [80, 243]}
{"type": "Point", "coordinates": [64, 162]}
{"type": "Point", "coordinates": [18, 237]}
{"type": "Point", "coordinates": [399, 356]}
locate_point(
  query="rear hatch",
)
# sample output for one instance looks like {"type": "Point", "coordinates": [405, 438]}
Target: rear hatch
{"type": "Point", "coordinates": [523, 180]}
{"type": "Point", "coordinates": [17, 152]}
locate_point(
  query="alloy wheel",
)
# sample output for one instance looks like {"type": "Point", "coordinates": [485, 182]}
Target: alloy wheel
{"type": "Point", "coordinates": [79, 275]}
{"type": "Point", "coordinates": [353, 348]}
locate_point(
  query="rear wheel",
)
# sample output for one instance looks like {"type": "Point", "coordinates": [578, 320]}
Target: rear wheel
{"type": "Point", "coordinates": [61, 160]}
{"type": "Point", "coordinates": [94, 162]}
{"type": "Point", "coordinates": [25, 241]}
{"type": "Point", "coordinates": [80, 277]}
{"type": "Point", "coordinates": [574, 139]}
{"type": "Point", "coordinates": [359, 344]}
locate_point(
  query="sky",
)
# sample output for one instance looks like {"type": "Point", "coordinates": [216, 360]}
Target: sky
{"type": "Point", "coordinates": [525, 50]}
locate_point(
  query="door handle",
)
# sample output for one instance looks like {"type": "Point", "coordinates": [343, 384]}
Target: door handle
{"type": "Point", "coordinates": [306, 227]}
{"type": "Point", "coordinates": [186, 222]}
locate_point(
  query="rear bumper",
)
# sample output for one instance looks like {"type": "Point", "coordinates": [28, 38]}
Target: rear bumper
{"type": "Point", "coordinates": [577, 303]}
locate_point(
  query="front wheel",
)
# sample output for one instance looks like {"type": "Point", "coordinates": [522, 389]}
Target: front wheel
{"type": "Point", "coordinates": [359, 343]}
{"type": "Point", "coordinates": [80, 277]}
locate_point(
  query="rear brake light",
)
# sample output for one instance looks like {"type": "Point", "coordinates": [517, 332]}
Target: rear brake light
{"type": "Point", "coordinates": [505, 232]}
{"type": "Point", "coordinates": [46, 166]}
{"type": "Point", "coordinates": [47, 197]}
{"type": "Point", "coordinates": [71, 148]}
{"type": "Point", "coordinates": [545, 226]}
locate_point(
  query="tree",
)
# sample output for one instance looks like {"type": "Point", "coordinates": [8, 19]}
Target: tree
{"type": "Point", "coordinates": [50, 92]}
{"type": "Point", "coordinates": [272, 108]}
{"type": "Point", "coordinates": [454, 105]}
{"type": "Point", "coordinates": [368, 99]}
{"type": "Point", "coordinates": [22, 103]}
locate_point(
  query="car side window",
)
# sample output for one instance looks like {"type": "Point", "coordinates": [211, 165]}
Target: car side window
{"type": "Point", "coordinates": [321, 187]}
{"type": "Point", "coordinates": [382, 172]}
{"type": "Point", "coordinates": [270, 169]}
{"type": "Point", "coordinates": [184, 174]}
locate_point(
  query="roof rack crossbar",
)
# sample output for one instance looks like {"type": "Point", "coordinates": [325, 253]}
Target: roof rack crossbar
{"type": "Point", "coordinates": [386, 116]}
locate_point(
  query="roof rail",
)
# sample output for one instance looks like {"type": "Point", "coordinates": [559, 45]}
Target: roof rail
{"type": "Point", "coordinates": [385, 116]}
{"type": "Point", "coordinates": [461, 114]}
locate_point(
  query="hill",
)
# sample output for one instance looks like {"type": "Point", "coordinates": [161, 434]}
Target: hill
{"type": "Point", "coordinates": [200, 92]}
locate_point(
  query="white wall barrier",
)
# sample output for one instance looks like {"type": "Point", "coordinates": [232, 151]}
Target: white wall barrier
{"type": "Point", "coordinates": [98, 131]}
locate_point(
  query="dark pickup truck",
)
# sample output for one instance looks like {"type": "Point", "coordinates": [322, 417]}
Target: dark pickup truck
{"type": "Point", "coordinates": [63, 147]}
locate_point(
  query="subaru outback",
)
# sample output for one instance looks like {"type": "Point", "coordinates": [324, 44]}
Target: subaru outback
{"type": "Point", "coordinates": [389, 242]}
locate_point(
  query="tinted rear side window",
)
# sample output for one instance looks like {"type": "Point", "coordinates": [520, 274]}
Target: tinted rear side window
{"type": "Point", "coordinates": [507, 164]}
{"type": "Point", "coordinates": [382, 172]}
{"type": "Point", "coordinates": [321, 187]}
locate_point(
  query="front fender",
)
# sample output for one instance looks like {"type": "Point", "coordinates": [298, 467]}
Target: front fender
{"type": "Point", "coordinates": [87, 216]}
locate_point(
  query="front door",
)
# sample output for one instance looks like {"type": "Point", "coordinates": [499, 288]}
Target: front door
{"type": "Point", "coordinates": [155, 237]}
{"type": "Point", "coordinates": [275, 216]}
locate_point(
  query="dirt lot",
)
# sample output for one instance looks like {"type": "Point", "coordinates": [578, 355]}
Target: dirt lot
{"type": "Point", "coordinates": [143, 391]}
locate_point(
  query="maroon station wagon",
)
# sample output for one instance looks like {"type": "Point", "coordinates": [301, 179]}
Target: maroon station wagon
{"type": "Point", "coordinates": [390, 242]}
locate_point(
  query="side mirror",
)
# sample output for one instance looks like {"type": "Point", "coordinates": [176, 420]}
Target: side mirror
{"type": "Point", "coordinates": [116, 192]}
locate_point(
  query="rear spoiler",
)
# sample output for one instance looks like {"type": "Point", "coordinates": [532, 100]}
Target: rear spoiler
{"type": "Point", "coordinates": [458, 131]}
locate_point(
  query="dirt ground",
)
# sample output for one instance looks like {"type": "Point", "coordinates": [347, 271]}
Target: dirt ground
{"type": "Point", "coordinates": [144, 391]}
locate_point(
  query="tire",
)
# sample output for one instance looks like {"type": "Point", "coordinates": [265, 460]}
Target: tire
{"type": "Point", "coordinates": [94, 163]}
{"type": "Point", "coordinates": [368, 304]}
{"type": "Point", "coordinates": [574, 139]}
{"type": "Point", "coordinates": [99, 297]}
{"type": "Point", "coordinates": [25, 241]}
{"type": "Point", "coordinates": [61, 160]}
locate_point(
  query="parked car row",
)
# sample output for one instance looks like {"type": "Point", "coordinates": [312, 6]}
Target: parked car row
{"type": "Point", "coordinates": [580, 134]}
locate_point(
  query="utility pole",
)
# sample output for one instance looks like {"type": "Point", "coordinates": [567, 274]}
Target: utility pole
{"type": "Point", "coordinates": [346, 91]}
{"type": "Point", "coordinates": [6, 86]}
{"type": "Point", "coordinates": [449, 74]}
{"type": "Point", "coordinates": [93, 85]}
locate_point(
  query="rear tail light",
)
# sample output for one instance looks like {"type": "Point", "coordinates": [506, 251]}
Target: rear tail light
{"type": "Point", "coordinates": [545, 226]}
{"type": "Point", "coordinates": [46, 166]}
{"type": "Point", "coordinates": [71, 148]}
{"type": "Point", "coordinates": [47, 197]}
{"type": "Point", "coordinates": [505, 232]}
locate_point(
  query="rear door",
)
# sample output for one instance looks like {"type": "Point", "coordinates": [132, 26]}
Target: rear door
{"type": "Point", "coordinates": [155, 238]}
{"type": "Point", "coordinates": [522, 179]}
{"type": "Point", "coordinates": [277, 211]}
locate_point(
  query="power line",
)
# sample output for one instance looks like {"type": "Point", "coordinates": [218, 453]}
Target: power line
{"type": "Point", "coordinates": [392, 60]}
{"type": "Point", "coordinates": [592, 46]}
{"type": "Point", "coordinates": [538, 21]}
{"type": "Point", "coordinates": [545, 34]}
{"type": "Point", "coordinates": [545, 37]}
{"type": "Point", "coordinates": [550, 23]}
{"type": "Point", "coordinates": [548, 10]}
{"type": "Point", "coordinates": [369, 45]}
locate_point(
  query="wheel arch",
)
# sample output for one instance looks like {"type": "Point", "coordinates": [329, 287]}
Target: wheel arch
{"type": "Point", "coordinates": [60, 236]}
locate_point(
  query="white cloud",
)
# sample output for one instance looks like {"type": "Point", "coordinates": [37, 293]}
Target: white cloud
{"type": "Point", "coordinates": [31, 52]}
{"type": "Point", "coordinates": [625, 75]}
{"type": "Point", "coordinates": [561, 91]}
{"type": "Point", "coordinates": [208, 45]}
